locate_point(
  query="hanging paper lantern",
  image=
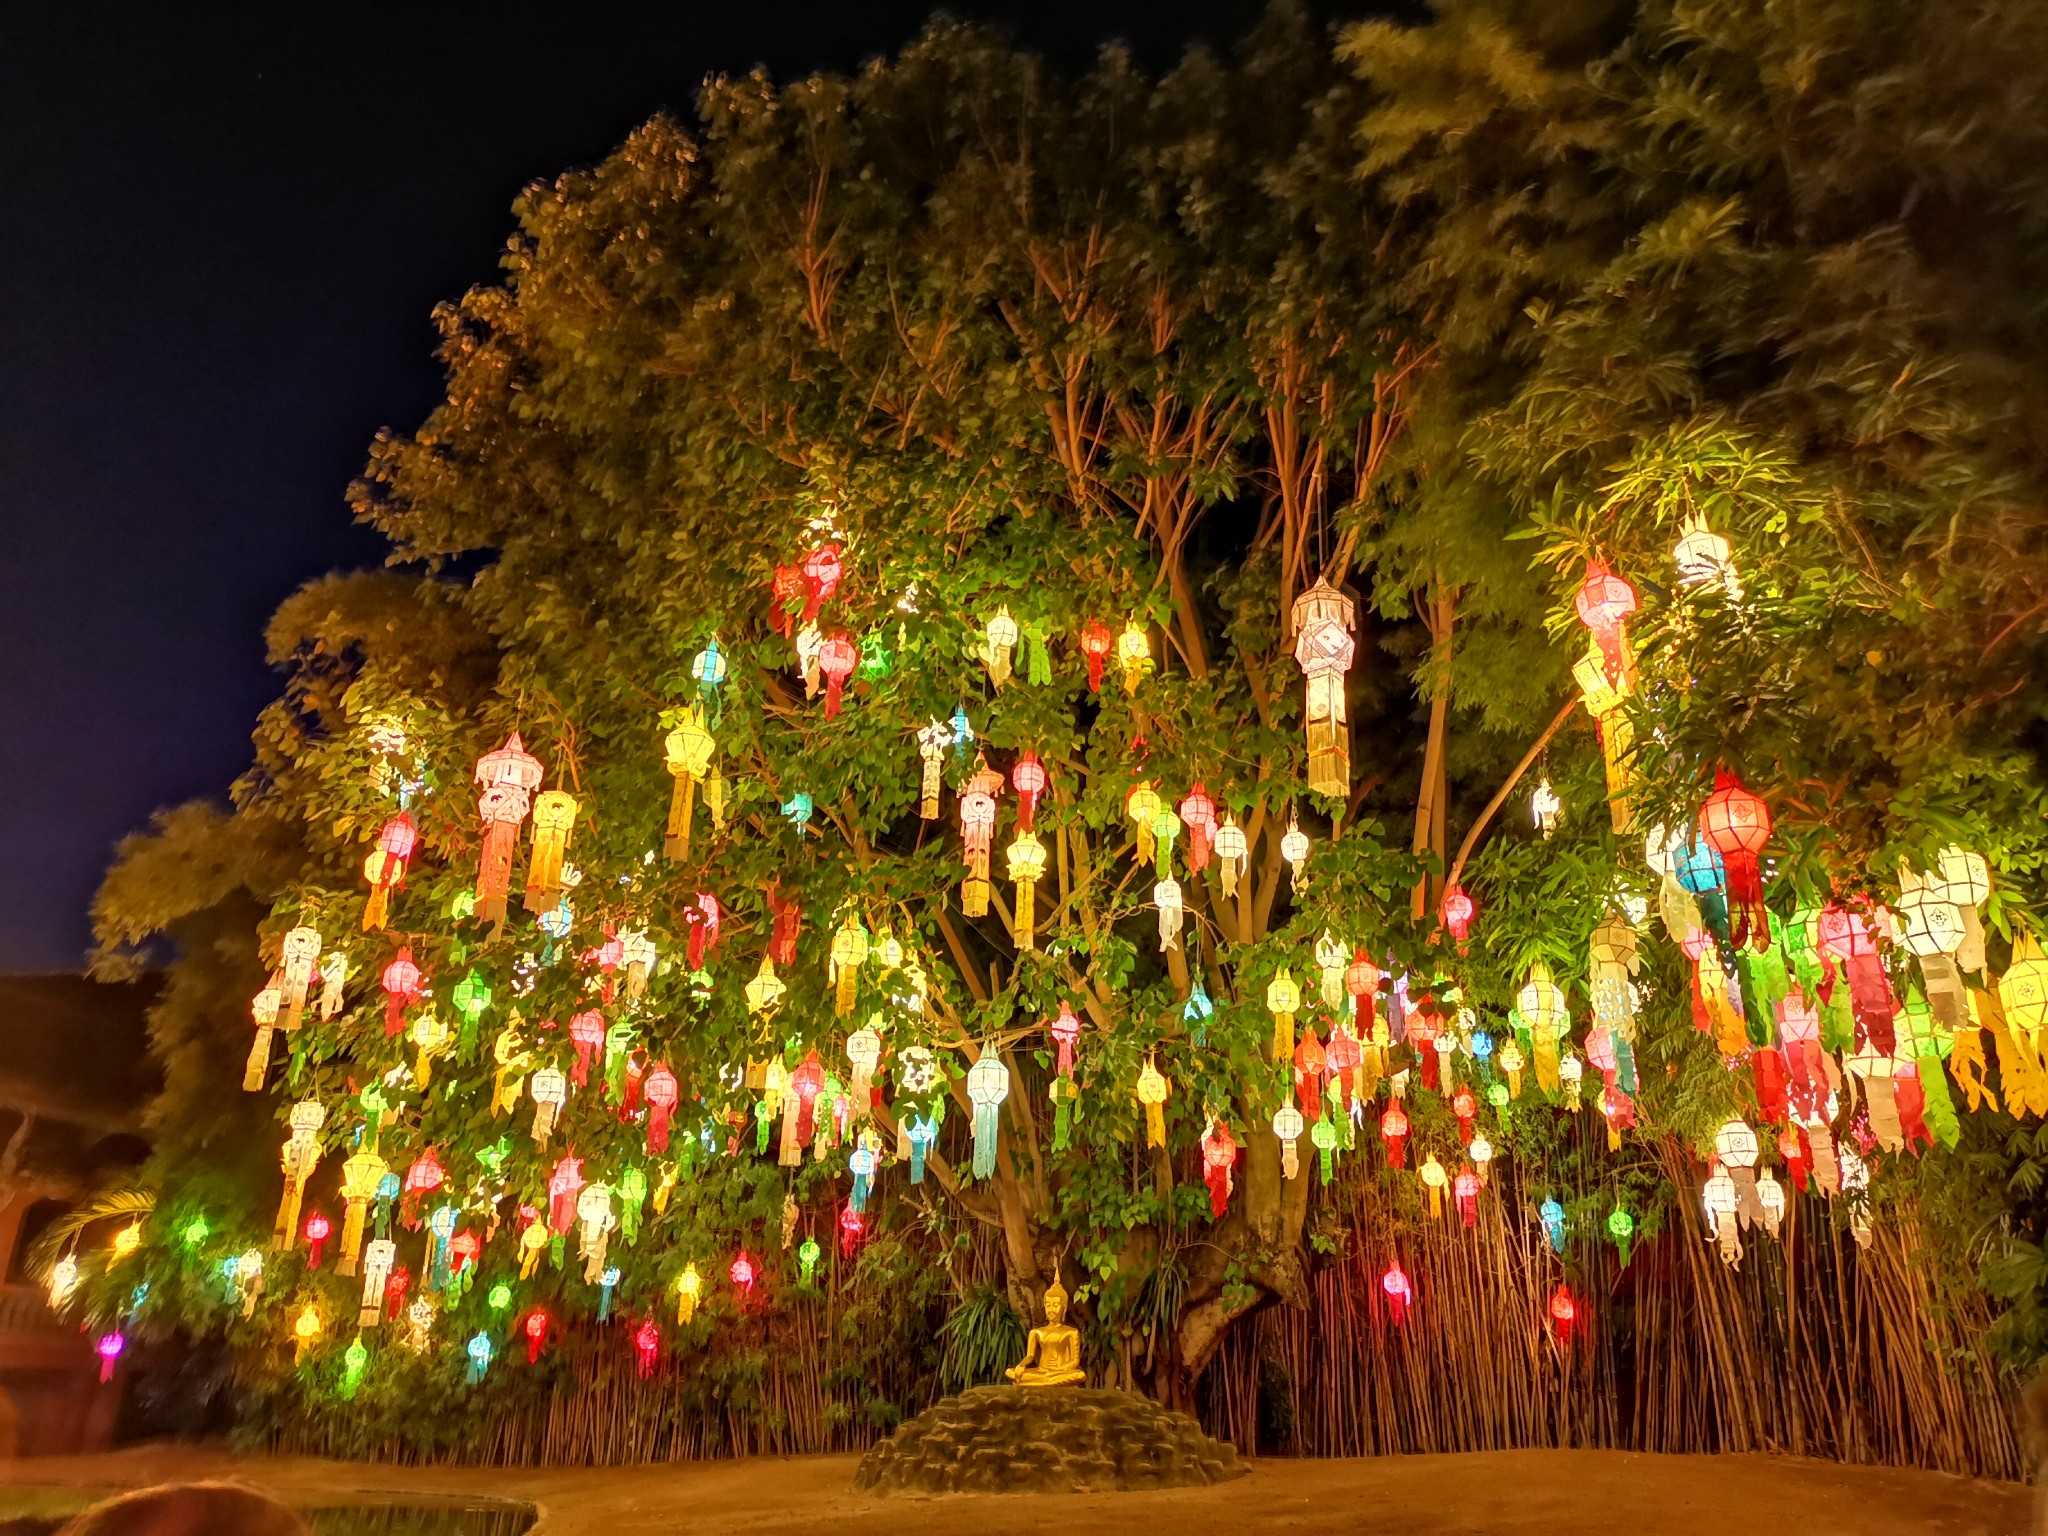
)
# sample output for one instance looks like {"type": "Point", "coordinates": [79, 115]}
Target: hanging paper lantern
{"type": "Point", "coordinates": [1543, 808]}
{"type": "Point", "coordinates": [1323, 1137]}
{"type": "Point", "coordinates": [1569, 1072]}
{"type": "Point", "coordinates": [1735, 1144]}
{"type": "Point", "coordinates": [1294, 849]}
{"type": "Point", "coordinates": [430, 1037]}
{"type": "Point", "coordinates": [999, 639]}
{"type": "Point", "coordinates": [1152, 1091]}
{"type": "Point", "coordinates": [554, 817]}
{"type": "Point", "coordinates": [360, 1177]}
{"type": "Point", "coordinates": [536, 1330]}
{"type": "Point", "coordinates": [1198, 815]}
{"type": "Point", "coordinates": [977, 832]}
{"type": "Point", "coordinates": [1400, 1294]}
{"type": "Point", "coordinates": [1966, 881]}
{"type": "Point", "coordinates": [1458, 910]}
{"type": "Point", "coordinates": [108, 1347]}
{"type": "Point", "coordinates": [1219, 1158]}
{"type": "Point", "coordinates": [823, 568]}
{"type": "Point", "coordinates": [932, 743]}
{"type": "Point", "coordinates": [1287, 1127]}
{"type": "Point", "coordinates": [1026, 857]}
{"type": "Point", "coordinates": [1435, 1180]}
{"type": "Point", "coordinates": [688, 752]}
{"type": "Point", "coordinates": [595, 1222]}
{"type": "Point", "coordinates": [129, 1238]}
{"type": "Point", "coordinates": [1172, 907]}
{"type": "Point", "coordinates": [849, 951]}
{"type": "Point", "coordinates": [1464, 1106]}
{"type": "Point", "coordinates": [988, 1084]}
{"type": "Point", "coordinates": [1621, 1227]}
{"type": "Point", "coordinates": [1394, 1131]}
{"type": "Point", "coordinates": [1552, 1216]}
{"type": "Point", "coordinates": [1323, 619]}
{"type": "Point", "coordinates": [1134, 655]}
{"type": "Point", "coordinates": [1722, 1202]}
{"type": "Point", "coordinates": [1095, 645]}
{"type": "Point", "coordinates": [647, 1346]}
{"type": "Point", "coordinates": [1232, 854]}
{"type": "Point", "coordinates": [263, 1009]}
{"type": "Point", "coordinates": [1737, 824]}
{"type": "Point", "coordinates": [507, 778]}
{"type": "Point", "coordinates": [1604, 603]}
{"type": "Point", "coordinates": [379, 1257]}
{"type": "Point", "coordinates": [1066, 1032]}
{"type": "Point", "coordinates": [1563, 1310]}
{"type": "Point", "coordinates": [300, 1156]}
{"type": "Point", "coordinates": [63, 1281]}
{"type": "Point", "coordinates": [837, 658]}
{"type": "Point", "coordinates": [1465, 1190]}
{"type": "Point", "coordinates": [689, 1290]}
{"type": "Point", "coordinates": [1604, 697]}
{"type": "Point", "coordinates": [1703, 556]}
{"type": "Point", "coordinates": [1845, 936]}
{"type": "Point", "coordinates": [742, 1273]}
{"type": "Point", "coordinates": [1283, 1001]}
{"type": "Point", "coordinates": [1029, 779]}
{"type": "Point", "coordinates": [1310, 1063]}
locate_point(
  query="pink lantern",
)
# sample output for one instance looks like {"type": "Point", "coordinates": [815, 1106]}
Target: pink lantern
{"type": "Point", "coordinates": [661, 1092]}
{"type": "Point", "coordinates": [836, 659]}
{"type": "Point", "coordinates": [402, 983]}
{"type": "Point", "coordinates": [1029, 779]}
{"type": "Point", "coordinates": [1399, 1293]}
{"type": "Point", "coordinates": [586, 1033]}
{"type": "Point", "coordinates": [1066, 1033]}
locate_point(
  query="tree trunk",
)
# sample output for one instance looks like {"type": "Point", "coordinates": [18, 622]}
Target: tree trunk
{"type": "Point", "coordinates": [1430, 799]}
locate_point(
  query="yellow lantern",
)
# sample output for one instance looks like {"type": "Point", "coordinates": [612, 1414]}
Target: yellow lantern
{"type": "Point", "coordinates": [1323, 619]}
{"type": "Point", "coordinates": [297, 955]}
{"type": "Point", "coordinates": [2023, 992]}
{"type": "Point", "coordinates": [1283, 1001]}
{"type": "Point", "coordinates": [554, 815]}
{"type": "Point", "coordinates": [63, 1281]}
{"type": "Point", "coordinates": [430, 1037]}
{"type": "Point", "coordinates": [1542, 1006]}
{"type": "Point", "coordinates": [263, 1008]}
{"type": "Point", "coordinates": [688, 749]}
{"type": "Point", "coordinates": [306, 1330]}
{"type": "Point", "coordinates": [764, 992]}
{"type": "Point", "coordinates": [510, 1055]}
{"type": "Point", "coordinates": [1510, 1062]}
{"type": "Point", "coordinates": [1332, 960]}
{"type": "Point", "coordinates": [849, 949]}
{"type": "Point", "coordinates": [300, 1156]}
{"type": "Point", "coordinates": [998, 640]}
{"type": "Point", "coordinates": [360, 1176]}
{"type": "Point", "coordinates": [1134, 655]}
{"type": "Point", "coordinates": [933, 742]}
{"type": "Point", "coordinates": [1152, 1090]}
{"type": "Point", "coordinates": [1434, 1179]}
{"type": "Point", "coordinates": [1142, 806]}
{"type": "Point", "coordinates": [1026, 856]}
{"type": "Point", "coordinates": [689, 1289]}
{"type": "Point", "coordinates": [127, 1240]}
{"type": "Point", "coordinates": [1604, 698]}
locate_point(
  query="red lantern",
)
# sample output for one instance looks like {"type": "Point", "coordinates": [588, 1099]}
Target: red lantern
{"type": "Point", "coordinates": [661, 1092]}
{"type": "Point", "coordinates": [1343, 1057]}
{"type": "Point", "coordinates": [464, 1248]}
{"type": "Point", "coordinates": [1399, 1293]}
{"type": "Point", "coordinates": [586, 1033]}
{"type": "Point", "coordinates": [1311, 1061]}
{"type": "Point", "coordinates": [1095, 644]}
{"type": "Point", "coordinates": [1028, 778]}
{"type": "Point", "coordinates": [421, 1179]}
{"type": "Point", "coordinates": [702, 916]}
{"type": "Point", "coordinates": [402, 983]}
{"type": "Point", "coordinates": [1458, 910]}
{"type": "Point", "coordinates": [1362, 981]}
{"type": "Point", "coordinates": [395, 1287]}
{"type": "Point", "coordinates": [853, 1231]}
{"type": "Point", "coordinates": [1465, 1190]}
{"type": "Point", "coordinates": [564, 1185]}
{"type": "Point", "coordinates": [1604, 602]}
{"type": "Point", "coordinates": [317, 1229]}
{"type": "Point", "coordinates": [784, 588]}
{"type": "Point", "coordinates": [836, 659]}
{"type": "Point", "coordinates": [742, 1274]}
{"type": "Point", "coordinates": [822, 569]}
{"type": "Point", "coordinates": [1066, 1033]}
{"type": "Point", "coordinates": [1219, 1157]}
{"type": "Point", "coordinates": [1845, 937]}
{"type": "Point", "coordinates": [1562, 1310]}
{"type": "Point", "coordinates": [647, 1345]}
{"type": "Point", "coordinates": [536, 1329]}
{"type": "Point", "coordinates": [1464, 1106]}
{"type": "Point", "coordinates": [1198, 815]}
{"type": "Point", "coordinates": [1736, 825]}
{"type": "Point", "coordinates": [1394, 1130]}
{"type": "Point", "coordinates": [807, 1082]}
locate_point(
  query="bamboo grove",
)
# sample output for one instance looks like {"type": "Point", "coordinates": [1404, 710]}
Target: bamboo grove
{"type": "Point", "coordinates": [939, 642]}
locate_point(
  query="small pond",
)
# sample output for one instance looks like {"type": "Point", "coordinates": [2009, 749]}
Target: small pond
{"type": "Point", "coordinates": [41, 1511]}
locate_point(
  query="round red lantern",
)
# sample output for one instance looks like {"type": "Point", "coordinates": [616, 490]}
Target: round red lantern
{"type": "Point", "coordinates": [1736, 824]}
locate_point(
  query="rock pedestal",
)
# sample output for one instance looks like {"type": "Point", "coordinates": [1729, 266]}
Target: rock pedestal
{"type": "Point", "coordinates": [1049, 1440]}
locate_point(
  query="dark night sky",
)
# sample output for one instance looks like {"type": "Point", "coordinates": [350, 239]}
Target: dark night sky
{"type": "Point", "coordinates": [223, 230]}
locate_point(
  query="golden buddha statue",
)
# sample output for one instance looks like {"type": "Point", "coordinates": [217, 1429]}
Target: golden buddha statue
{"type": "Point", "coordinates": [1052, 1354]}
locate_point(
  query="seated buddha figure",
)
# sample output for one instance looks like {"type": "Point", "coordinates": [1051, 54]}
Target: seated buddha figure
{"type": "Point", "coordinates": [1052, 1354]}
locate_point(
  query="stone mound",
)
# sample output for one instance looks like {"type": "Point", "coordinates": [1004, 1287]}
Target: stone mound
{"type": "Point", "coordinates": [1053, 1440]}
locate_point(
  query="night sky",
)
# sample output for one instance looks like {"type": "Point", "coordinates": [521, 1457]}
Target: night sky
{"type": "Point", "coordinates": [224, 228]}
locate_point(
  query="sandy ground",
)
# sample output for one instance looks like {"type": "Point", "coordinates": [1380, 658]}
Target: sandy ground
{"type": "Point", "coordinates": [1505, 1493]}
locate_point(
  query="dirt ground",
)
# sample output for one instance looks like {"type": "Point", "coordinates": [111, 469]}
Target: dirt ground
{"type": "Point", "coordinates": [1505, 1493]}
